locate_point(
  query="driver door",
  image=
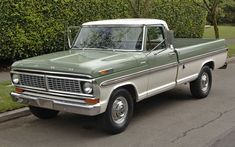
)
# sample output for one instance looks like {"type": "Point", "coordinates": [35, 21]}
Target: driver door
{"type": "Point", "coordinates": [161, 60]}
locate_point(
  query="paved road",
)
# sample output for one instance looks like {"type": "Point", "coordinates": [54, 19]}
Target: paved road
{"type": "Point", "coordinates": [172, 119]}
{"type": "Point", "coordinates": [226, 140]}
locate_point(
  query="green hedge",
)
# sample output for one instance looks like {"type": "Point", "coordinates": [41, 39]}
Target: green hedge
{"type": "Point", "coordinates": [182, 16]}
{"type": "Point", "coordinates": [31, 27]}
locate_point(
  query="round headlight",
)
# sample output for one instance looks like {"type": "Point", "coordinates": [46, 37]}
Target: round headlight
{"type": "Point", "coordinates": [87, 87]}
{"type": "Point", "coordinates": [15, 78]}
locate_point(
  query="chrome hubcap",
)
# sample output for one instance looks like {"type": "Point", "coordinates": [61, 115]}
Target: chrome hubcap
{"type": "Point", "coordinates": [205, 82]}
{"type": "Point", "coordinates": [119, 110]}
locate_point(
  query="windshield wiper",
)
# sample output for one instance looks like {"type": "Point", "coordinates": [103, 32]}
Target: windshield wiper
{"type": "Point", "coordinates": [80, 46]}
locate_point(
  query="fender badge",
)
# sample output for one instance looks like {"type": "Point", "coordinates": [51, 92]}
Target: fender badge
{"type": "Point", "coordinates": [71, 69]}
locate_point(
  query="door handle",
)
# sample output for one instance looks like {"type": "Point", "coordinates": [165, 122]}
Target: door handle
{"type": "Point", "coordinates": [171, 54]}
{"type": "Point", "coordinates": [142, 62]}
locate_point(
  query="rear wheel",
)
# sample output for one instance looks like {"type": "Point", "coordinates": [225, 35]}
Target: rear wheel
{"type": "Point", "coordinates": [200, 88]}
{"type": "Point", "coordinates": [43, 113]}
{"type": "Point", "coordinates": [119, 112]}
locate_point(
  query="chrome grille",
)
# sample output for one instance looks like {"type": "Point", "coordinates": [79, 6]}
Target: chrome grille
{"type": "Point", "coordinates": [51, 83]}
{"type": "Point", "coordinates": [67, 85]}
{"type": "Point", "coordinates": [32, 81]}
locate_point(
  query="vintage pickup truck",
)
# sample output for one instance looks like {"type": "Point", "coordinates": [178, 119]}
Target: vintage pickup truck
{"type": "Point", "coordinates": [111, 65]}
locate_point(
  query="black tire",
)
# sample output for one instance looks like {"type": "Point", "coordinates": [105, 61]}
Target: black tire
{"type": "Point", "coordinates": [118, 97]}
{"type": "Point", "coordinates": [199, 88]}
{"type": "Point", "coordinates": [43, 113]}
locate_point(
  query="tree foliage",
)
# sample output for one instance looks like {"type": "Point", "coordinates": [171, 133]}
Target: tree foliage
{"type": "Point", "coordinates": [228, 12]}
{"type": "Point", "coordinates": [182, 16]}
{"type": "Point", "coordinates": [186, 19]}
{"type": "Point", "coordinates": [31, 27]}
{"type": "Point", "coordinates": [212, 7]}
{"type": "Point", "coordinates": [141, 8]}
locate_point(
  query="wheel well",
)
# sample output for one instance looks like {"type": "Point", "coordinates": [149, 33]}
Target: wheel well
{"type": "Point", "coordinates": [132, 91]}
{"type": "Point", "coordinates": [210, 64]}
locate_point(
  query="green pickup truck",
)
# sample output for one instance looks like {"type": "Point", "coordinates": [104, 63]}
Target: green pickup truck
{"type": "Point", "coordinates": [111, 65]}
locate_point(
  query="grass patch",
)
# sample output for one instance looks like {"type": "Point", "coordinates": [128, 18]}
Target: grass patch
{"type": "Point", "coordinates": [231, 50]}
{"type": "Point", "coordinates": [6, 103]}
{"type": "Point", "coordinates": [227, 32]}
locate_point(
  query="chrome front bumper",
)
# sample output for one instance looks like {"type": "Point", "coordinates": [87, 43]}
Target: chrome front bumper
{"type": "Point", "coordinates": [67, 105]}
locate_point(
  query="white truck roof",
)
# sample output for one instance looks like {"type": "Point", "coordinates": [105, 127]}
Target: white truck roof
{"type": "Point", "coordinates": [133, 21]}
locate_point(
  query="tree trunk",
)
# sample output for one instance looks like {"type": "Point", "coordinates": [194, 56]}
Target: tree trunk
{"type": "Point", "coordinates": [215, 24]}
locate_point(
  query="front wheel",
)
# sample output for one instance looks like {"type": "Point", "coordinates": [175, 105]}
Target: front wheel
{"type": "Point", "coordinates": [200, 88]}
{"type": "Point", "coordinates": [43, 113]}
{"type": "Point", "coordinates": [119, 112]}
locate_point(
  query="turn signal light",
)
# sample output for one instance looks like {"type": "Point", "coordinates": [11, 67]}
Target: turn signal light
{"type": "Point", "coordinates": [19, 90]}
{"type": "Point", "coordinates": [92, 101]}
{"type": "Point", "coordinates": [105, 72]}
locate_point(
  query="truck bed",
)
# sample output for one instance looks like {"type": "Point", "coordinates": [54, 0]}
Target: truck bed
{"type": "Point", "coordinates": [188, 48]}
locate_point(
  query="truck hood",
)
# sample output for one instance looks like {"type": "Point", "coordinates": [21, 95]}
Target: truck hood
{"type": "Point", "coordinates": [88, 62]}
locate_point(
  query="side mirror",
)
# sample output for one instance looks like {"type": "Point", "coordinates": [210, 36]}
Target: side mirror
{"type": "Point", "coordinates": [72, 32]}
{"type": "Point", "coordinates": [169, 37]}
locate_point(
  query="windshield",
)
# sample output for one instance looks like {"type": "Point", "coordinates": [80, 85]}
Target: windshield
{"type": "Point", "coordinates": [109, 38]}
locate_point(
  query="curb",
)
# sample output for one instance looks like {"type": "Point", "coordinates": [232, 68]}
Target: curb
{"type": "Point", "coordinates": [6, 116]}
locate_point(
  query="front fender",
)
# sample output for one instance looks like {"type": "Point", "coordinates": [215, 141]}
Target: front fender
{"type": "Point", "coordinates": [106, 92]}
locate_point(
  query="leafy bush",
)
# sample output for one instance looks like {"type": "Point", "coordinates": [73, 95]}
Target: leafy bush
{"type": "Point", "coordinates": [30, 27]}
{"type": "Point", "coordinates": [182, 16]}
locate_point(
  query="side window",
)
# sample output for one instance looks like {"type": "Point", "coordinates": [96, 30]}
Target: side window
{"type": "Point", "coordinates": [155, 35]}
